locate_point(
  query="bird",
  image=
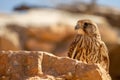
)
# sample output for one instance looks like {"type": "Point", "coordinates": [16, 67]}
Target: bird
{"type": "Point", "coordinates": [87, 45]}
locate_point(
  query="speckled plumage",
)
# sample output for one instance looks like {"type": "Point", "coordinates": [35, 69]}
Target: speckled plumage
{"type": "Point", "coordinates": [88, 46]}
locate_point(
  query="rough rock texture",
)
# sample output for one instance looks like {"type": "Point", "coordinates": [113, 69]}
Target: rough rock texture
{"type": "Point", "coordinates": [33, 65]}
{"type": "Point", "coordinates": [19, 65]}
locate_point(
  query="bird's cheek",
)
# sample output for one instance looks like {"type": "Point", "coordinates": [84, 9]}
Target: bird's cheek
{"type": "Point", "coordinates": [81, 31]}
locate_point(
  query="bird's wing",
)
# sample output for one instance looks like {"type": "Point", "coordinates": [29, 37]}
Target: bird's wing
{"type": "Point", "coordinates": [105, 56]}
{"type": "Point", "coordinates": [71, 49]}
{"type": "Point", "coordinates": [73, 46]}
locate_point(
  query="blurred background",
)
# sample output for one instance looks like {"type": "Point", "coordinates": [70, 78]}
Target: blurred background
{"type": "Point", "coordinates": [48, 25]}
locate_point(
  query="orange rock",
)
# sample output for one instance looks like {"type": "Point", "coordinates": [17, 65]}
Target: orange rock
{"type": "Point", "coordinates": [19, 65]}
{"type": "Point", "coordinates": [6, 44]}
{"type": "Point", "coordinates": [36, 45]}
{"type": "Point", "coordinates": [36, 65]}
{"type": "Point", "coordinates": [45, 34]}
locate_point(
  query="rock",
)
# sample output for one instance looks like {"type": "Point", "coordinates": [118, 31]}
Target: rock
{"type": "Point", "coordinates": [36, 45]}
{"type": "Point", "coordinates": [58, 32]}
{"type": "Point", "coordinates": [114, 62]}
{"type": "Point", "coordinates": [8, 39]}
{"type": "Point", "coordinates": [20, 65]}
{"type": "Point", "coordinates": [51, 39]}
{"type": "Point", "coordinates": [36, 65]}
{"type": "Point", "coordinates": [71, 69]}
{"type": "Point", "coordinates": [6, 44]}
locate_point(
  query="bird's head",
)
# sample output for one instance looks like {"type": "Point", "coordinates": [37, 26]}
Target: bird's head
{"type": "Point", "coordinates": [87, 27]}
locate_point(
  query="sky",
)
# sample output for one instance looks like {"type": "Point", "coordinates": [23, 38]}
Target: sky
{"type": "Point", "coordinates": [6, 6]}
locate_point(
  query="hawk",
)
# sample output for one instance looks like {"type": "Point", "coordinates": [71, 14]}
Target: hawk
{"type": "Point", "coordinates": [88, 46]}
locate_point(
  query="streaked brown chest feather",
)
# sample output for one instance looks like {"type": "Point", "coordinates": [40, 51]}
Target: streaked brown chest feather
{"type": "Point", "coordinates": [86, 49]}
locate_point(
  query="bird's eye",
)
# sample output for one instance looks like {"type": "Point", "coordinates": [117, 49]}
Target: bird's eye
{"type": "Point", "coordinates": [85, 25]}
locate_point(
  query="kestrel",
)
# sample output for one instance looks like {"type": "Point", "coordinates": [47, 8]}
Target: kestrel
{"type": "Point", "coordinates": [88, 46]}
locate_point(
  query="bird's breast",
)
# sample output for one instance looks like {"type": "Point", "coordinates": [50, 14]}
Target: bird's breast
{"type": "Point", "coordinates": [86, 48]}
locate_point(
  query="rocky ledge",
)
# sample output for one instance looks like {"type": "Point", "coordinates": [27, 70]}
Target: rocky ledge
{"type": "Point", "coordinates": [38, 65]}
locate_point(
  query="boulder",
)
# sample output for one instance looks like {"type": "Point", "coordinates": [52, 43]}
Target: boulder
{"type": "Point", "coordinates": [37, 65]}
{"type": "Point", "coordinates": [8, 39]}
{"type": "Point", "coordinates": [114, 63]}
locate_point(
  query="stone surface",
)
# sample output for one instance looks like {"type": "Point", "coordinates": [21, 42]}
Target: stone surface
{"type": "Point", "coordinates": [9, 39]}
{"type": "Point", "coordinates": [36, 65]}
{"type": "Point", "coordinates": [115, 63]}
{"type": "Point", "coordinates": [19, 65]}
{"type": "Point", "coordinates": [6, 44]}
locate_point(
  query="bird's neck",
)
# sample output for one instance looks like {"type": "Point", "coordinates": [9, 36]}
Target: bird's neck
{"type": "Point", "coordinates": [95, 36]}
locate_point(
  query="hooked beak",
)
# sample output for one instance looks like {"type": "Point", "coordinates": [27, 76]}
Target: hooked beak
{"type": "Point", "coordinates": [77, 27]}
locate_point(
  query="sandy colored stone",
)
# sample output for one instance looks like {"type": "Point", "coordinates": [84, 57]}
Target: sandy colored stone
{"type": "Point", "coordinates": [33, 44]}
{"type": "Point", "coordinates": [20, 64]}
{"type": "Point", "coordinates": [44, 33]}
{"type": "Point", "coordinates": [36, 65]}
{"type": "Point", "coordinates": [71, 69]}
{"type": "Point", "coordinates": [6, 44]}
